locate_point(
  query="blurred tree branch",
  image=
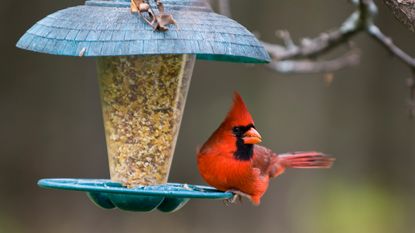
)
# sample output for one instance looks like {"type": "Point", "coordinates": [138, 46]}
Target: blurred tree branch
{"type": "Point", "coordinates": [307, 66]}
{"type": "Point", "coordinates": [305, 56]}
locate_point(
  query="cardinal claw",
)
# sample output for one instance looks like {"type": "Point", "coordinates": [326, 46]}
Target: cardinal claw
{"type": "Point", "coordinates": [237, 197]}
{"type": "Point", "coordinates": [226, 202]}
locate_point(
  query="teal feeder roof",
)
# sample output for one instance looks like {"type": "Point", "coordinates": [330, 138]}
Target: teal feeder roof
{"type": "Point", "coordinates": [108, 28]}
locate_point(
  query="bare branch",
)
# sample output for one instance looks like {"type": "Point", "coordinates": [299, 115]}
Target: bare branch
{"type": "Point", "coordinates": [323, 43]}
{"type": "Point", "coordinates": [375, 32]}
{"type": "Point", "coordinates": [360, 21]}
{"type": "Point", "coordinates": [286, 38]}
{"type": "Point", "coordinates": [292, 58]}
{"type": "Point", "coordinates": [388, 44]}
{"type": "Point", "coordinates": [302, 58]}
{"type": "Point", "coordinates": [348, 59]}
{"type": "Point", "coordinates": [404, 11]}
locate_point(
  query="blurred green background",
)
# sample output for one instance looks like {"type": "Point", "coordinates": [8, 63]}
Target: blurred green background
{"type": "Point", "coordinates": [51, 126]}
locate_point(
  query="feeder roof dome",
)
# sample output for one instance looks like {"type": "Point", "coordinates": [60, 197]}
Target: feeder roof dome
{"type": "Point", "coordinates": [108, 28]}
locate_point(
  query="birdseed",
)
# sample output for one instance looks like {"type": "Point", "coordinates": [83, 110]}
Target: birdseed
{"type": "Point", "coordinates": [143, 98]}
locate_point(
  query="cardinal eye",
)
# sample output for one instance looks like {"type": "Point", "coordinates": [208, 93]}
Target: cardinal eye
{"type": "Point", "coordinates": [237, 130]}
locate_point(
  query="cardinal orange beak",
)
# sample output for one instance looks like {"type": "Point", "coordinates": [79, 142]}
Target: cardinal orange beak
{"type": "Point", "coordinates": [252, 137]}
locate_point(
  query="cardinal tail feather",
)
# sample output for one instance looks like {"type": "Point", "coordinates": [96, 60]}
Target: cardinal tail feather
{"type": "Point", "coordinates": [306, 160]}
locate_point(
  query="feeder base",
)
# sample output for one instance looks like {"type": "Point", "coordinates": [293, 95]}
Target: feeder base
{"type": "Point", "coordinates": [109, 194]}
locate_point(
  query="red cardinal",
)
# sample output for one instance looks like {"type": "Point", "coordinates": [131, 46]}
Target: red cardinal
{"type": "Point", "coordinates": [232, 161]}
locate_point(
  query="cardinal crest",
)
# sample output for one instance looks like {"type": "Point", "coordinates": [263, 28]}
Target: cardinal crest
{"type": "Point", "coordinates": [239, 112]}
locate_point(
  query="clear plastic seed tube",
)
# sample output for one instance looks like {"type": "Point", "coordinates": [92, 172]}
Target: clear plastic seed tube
{"type": "Point", "coordinates": [143, 98]}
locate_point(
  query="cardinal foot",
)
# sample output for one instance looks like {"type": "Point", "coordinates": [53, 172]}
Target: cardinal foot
{"type": "Point", "coordinates": [237, 197]}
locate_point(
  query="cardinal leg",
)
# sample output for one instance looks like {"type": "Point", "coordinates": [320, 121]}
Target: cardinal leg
{"type": "Point", "coordinates": [237, 196]}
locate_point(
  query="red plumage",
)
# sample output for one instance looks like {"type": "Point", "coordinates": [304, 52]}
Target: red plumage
{"type": "Point", "coordinates": [230, 160]}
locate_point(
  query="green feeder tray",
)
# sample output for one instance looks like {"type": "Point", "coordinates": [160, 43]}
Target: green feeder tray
{"type": "Point", "coordinates": [109, 194]}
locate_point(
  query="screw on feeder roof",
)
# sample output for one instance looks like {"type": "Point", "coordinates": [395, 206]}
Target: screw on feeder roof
{"type": "Point", "coordinates": [107, 28]}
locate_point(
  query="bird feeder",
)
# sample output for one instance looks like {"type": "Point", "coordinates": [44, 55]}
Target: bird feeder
{"type": "Point", "coordinates": [144, 76]}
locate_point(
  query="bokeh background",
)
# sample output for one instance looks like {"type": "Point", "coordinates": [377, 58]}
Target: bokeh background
{"type": "Point", "coordinates": [51, 126]}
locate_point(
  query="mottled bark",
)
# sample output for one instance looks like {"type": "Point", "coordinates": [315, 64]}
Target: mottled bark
{"type": "Point", "coordinates": [404, 11]}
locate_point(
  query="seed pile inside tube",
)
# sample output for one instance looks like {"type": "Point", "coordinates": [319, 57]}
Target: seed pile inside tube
{"type": "Point", "coordinates": [143, 98]}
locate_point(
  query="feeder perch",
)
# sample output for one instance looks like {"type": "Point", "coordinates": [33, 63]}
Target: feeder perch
{"type": "Point", "coordinates": [144, 76]}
